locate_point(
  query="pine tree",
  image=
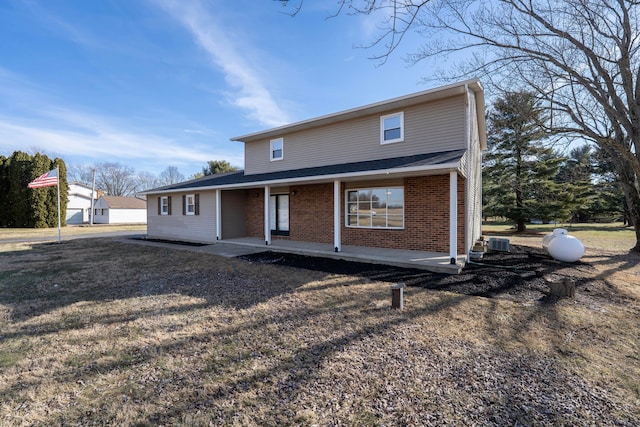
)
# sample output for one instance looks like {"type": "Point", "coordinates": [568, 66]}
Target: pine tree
{"type": "Point", "coordinates": [21, 206]}
{"type": "Point", "coordinates": [610, 203]}
{"type": "Point", "coordinates": [19, 172]}
{"type": "Point", "coordinates": [519, 169]}
{"type": "Point", "coordinates": [39, 205]}
{"type": "Point", "coordinates": [52, 201]}
{"type": "Point", "coordinates": [4, 191]}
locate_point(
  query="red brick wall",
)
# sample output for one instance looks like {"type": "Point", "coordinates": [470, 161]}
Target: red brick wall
{"type": "Point", "coordinates": [311, 213]}
{"type": "Point", "coordinates": [255, 213]}
{"type": "Point", "coordinates": [426, 219]}
{"type": "Point", "coordinates": [311, 216]}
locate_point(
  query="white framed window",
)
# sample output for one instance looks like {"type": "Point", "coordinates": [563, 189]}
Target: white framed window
{"type": "Point", "coordinates": [190, 204]}
{"type": "Point", "coordinates": [392, 128]}
{"type": "Point", "coordinates": [276, 149]}
{"type": "Point", "coordinates": [375, 208]}
{"type": "Point", "coordinates": [164, 205]}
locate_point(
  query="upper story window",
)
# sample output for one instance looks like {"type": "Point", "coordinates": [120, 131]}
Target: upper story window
{"type": "Point", "coordinates": [277, 149]}
{"type": "Point", "coordinates": [392, 128]}
{"type": "Point", "coordinates": [190, 204]}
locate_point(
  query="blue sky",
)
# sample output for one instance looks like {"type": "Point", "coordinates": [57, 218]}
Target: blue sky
{"type": "Point", "coordinates": [158, 83]}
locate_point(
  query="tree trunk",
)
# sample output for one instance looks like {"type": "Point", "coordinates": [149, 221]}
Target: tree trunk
{"type": "Point", "coordinates": [633, 200]}
{"type": "Point", "coordinates": [627, 180]}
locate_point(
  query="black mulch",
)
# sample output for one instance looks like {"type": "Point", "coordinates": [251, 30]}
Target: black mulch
{"type": "Point", "coordinates": [173, 242]}
{"type": "Point", "coordinates": [517, 275]}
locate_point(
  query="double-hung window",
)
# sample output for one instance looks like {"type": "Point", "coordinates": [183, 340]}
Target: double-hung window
{"type": "Point", "coordinates": [392, 128]}
{"type": "Point", "coordinates": [165, 205]}
{"type": "Point", "coordinates": [375, 208]}
{"type": "Point", "coordinates": [276, 148]}
{"type": "Point", "coordinates": [190, 204]}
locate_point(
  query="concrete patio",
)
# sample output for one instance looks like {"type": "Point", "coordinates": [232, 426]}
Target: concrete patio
{"type": "Point", "coordinates": [431, 261]}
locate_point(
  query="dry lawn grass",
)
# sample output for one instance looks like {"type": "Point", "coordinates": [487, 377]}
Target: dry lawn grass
{"type": "Point", "coordinates": [97, 332]}
{"type": "Point", "coordinates": [51, 234]}
{"type": "Point", "coordinates": [609, 237]}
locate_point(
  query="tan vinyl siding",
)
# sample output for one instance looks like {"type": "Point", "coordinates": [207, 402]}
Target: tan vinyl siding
{"type": "Point", "coordinates": [474, 178]}
{"type": "Point", "coordinates": [432, 127]}
{"type": "Point", "coordinates": [188, 228]}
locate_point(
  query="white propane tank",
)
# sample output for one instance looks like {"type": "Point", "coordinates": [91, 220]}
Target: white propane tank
{"type": "Point", "coordinates": [566, 248]}
{"type": "Point", "coordinates": [549, 237]}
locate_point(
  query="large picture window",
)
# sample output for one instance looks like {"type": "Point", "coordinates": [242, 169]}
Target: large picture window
{"type": "Point", "coordinates": [376, 208]}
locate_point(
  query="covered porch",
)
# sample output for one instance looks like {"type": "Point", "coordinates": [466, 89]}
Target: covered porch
{"type": "Point", "coordinates": [430, 261]}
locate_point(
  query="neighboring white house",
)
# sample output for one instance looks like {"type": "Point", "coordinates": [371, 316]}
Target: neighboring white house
{"type": "Point", "coordinates": [79, 204]}
{"type": "Point", "coordinates": [120, 210]}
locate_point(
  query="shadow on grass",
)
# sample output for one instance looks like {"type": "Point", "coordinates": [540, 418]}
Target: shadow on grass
{"type": "Point", "coordinates": [52, 276]}
{"type": "Point", "coordinates": [518, 275]}
{"type": "Point", "coordinates": [264, 366]}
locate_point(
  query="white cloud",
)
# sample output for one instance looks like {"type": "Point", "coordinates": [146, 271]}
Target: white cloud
{"type": "Point", "coordinates": [252, 94]}
{"type": "Point", "coordinates": [74, 133]}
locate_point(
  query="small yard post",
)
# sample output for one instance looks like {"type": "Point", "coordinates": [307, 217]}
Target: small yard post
{"type": "Point", "coordinates": [397, 295]}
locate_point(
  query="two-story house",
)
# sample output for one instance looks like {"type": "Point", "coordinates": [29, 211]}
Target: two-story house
{"type": "Point", "coordinates": [399, 175]}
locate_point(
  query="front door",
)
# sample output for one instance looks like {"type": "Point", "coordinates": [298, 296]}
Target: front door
{"type": "Point", "coordinates": [279, 214]}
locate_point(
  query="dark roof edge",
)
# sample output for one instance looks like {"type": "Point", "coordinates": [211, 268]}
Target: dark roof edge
{"type": "Point", "coordinates": [453, 164]}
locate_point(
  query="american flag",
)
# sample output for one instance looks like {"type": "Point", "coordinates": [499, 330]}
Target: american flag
{"type": "Point", "coordinates": [45, 180]}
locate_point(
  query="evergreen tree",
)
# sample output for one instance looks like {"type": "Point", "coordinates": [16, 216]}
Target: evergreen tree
{"type": "Point", "coordinates": [576, 175]}
{"type": "Point", "coordinates": [38, 197]}
{"type": "Point", "coordinates": [610, 203]}
{"type": "Point", "coordinates": [19, 173]}
{"type": "Point", "coordinates": [52, 197]}
{"type": "Point", "coordinates": [519, 170]}
{"type": "Point", "coordinates": [218, 166]}
{"type": "Point", "coordinates": [4, 191]}
{"type": "Point", "coordinates": [21, 206]}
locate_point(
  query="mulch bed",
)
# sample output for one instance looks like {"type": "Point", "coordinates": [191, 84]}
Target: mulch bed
{"type": "Point", "coordinates": [520, 275]}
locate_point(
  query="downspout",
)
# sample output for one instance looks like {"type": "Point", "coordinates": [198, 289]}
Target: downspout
{"type": "Point", "coordinates": [218, 214]}
{"type": "Point", "coordinates": [337, 239]}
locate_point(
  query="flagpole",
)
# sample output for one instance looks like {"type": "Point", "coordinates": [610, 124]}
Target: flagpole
{"type": "Point", "coordinates": [58, 174]}
{"type": "Point", "coordinates": [93, 191]}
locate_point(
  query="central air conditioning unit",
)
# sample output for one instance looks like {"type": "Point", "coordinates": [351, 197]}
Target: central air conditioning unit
{"type": "Point", "coordinates": [498, 245]}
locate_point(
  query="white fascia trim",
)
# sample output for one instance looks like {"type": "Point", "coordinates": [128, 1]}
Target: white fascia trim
{"type": "Point", "coordinates": [446, 167]}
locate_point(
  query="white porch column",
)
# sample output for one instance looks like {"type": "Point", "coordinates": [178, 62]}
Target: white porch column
{"type": "Point", "coordinates": [337, 238]}
{"type": "Point", "coordinates": [218, 214]}
{"type": "Point", "coordinates": [267, 227]}
{"type": "Point", "coordinates": [453, 216]}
